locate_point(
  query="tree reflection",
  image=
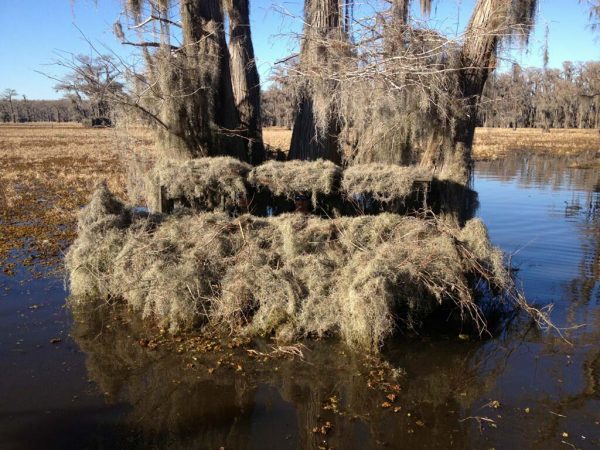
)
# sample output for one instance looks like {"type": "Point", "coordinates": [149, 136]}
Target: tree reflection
{"type": "Point", "coordinates": [204, 400]}
{"type": "Point", "coordinates": [556, 172]}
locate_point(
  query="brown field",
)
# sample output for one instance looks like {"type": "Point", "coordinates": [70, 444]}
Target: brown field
{"type": "Point", "coordinates": [48, 172]}
{"type": "Point", "coordinates": [493, 143]}
{"type": "Point", "coordinates": [277, 137]}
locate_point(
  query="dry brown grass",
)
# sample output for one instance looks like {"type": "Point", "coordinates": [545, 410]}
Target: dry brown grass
{"type": "Point", "coordinates": [293, 275]}
{"type": "Point", "coordinates": [213, 182]}
{"type": "Point", "coordinates": [492, 143]}
{"type": "Point", "coordinates": [48, 173]}
{"type": "Point", "coordinates": [277, 138]}
{"type": "Point", "coordinates": [385, 182]}
{"type": "Point", "coordinates": [288, 178]}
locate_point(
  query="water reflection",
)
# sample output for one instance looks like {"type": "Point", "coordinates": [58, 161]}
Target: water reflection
{"type": "Point", "coordinates": [524, 388]}
{"type": "Point", "coordinates": [540, 171]}
{"type": "Point", "coordinates": [192, 400]}
{"type": "Point", "coordinates": [548, 212]}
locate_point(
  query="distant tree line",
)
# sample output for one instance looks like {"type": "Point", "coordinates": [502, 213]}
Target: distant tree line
{"type": "Point", "coordinates": [91, 86]}
{"type": "Point", "coordinates": [521, 98]}
{"type": "Point", "coordinates": [544, 98]}
{"type": "Point", "coordinates": [21, 110]}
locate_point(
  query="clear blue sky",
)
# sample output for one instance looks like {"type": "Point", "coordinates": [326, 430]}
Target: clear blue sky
{"type": "Point", "coordinates": [33, 31]}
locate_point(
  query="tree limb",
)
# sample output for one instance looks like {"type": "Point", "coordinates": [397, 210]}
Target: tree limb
{"type": "Point", "coordinates": [153, 17]}
{"type": "Point", "coordinates": [149, 44]}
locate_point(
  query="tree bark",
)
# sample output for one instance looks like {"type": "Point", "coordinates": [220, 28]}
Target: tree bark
{"type": "Point", "coordinates": [309, 142]}
{"type": "Point", "coordinates": [477, 61]}
{"type": "Point", "coordinates": [12, 110]}
{"type": "Point", "coordinates": [197, 104]}
{"type": "Point", "coordinates": [245, 79]}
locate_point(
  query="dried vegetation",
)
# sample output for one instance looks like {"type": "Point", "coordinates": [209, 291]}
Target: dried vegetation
{"type": "Point", "coordinates": [48, 172]}
{"type": "Point", "coordinates": [494, 143]}
{"type": "Point", "coordinates": [215, 182]}
{"type": "Point", "coordinates": [292, 276]}
{"type": "Point", "coordinates": [385, 182]}
{"type": "Point", "coordinates": [288, 178]}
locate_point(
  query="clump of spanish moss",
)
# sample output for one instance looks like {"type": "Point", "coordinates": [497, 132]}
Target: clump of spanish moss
{"type": "Point", "coordinates": [100, 234]}
{"type": "Point", "coordinates": [211, 182]}
{"type": "Point", "coordinates": [291, 177]}
{"type": "Point", "coordinates": [385, 182]}
{"type": "Point", "coordinates": [292, 276]}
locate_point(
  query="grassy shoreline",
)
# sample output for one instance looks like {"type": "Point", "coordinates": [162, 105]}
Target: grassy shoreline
{"type": "Point", "coordinates": [494, 143]}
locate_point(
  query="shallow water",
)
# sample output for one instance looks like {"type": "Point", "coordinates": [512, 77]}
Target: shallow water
{"type": "Point", "coordinates": [98, 387]}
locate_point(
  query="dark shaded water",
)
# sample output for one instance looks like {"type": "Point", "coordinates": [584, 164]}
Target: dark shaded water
{"type": "Point", "coordinates": [99, 388]}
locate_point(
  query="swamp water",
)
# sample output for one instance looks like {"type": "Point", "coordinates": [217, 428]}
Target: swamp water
{"type": "Point", "coordinates": [101, 385]}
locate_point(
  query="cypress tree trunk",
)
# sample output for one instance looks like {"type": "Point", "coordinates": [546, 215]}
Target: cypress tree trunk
{"type": "Point", "coordinates": [245, 79]}
{"type": "Point", "coordinates": [316, 129]}
{"type": "Point", "coordinates": [477, 61]}
{"type": "Point", "coordinates": [190, 86]}
{"type": "Point", "coordinates": [308, 143]}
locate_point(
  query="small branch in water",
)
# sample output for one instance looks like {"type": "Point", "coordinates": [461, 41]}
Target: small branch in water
{"type": "Point", "coordinates": [295, 350]}
{"type": "Point", "coordinates": [480, 420]}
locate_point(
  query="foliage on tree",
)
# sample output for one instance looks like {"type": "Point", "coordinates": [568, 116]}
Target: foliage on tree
{"type": "Point", "coordinates": [92, 84]}
{"type": "Point", "coordinates": [8, 96]}
{"type": "Point", "coordinates": [398, 92]}
{"type": "Point", "coordinates": [186, 88]}
{"type": "Point", "coordinates": [26, 110]}
{"type": "Point", "coordinates": [385, 88]}
{"type": "Point", "coordinates": [538, 98]}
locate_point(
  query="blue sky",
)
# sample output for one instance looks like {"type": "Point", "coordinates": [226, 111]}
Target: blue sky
{"type": "Point", "coordinates": [33, 31]}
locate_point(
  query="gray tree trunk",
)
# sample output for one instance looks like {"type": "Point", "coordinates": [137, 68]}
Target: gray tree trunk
{"type": "Point", "coordinates": [477, 60]}
{"type": "Point", "coordinates": [245, 79]}
{"type": "Point", "coordinates": [12, 110]}
{"type": "Point", "coordinates": [197, 103]}
{"type": "Point", "coordinates": [309, 142]}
